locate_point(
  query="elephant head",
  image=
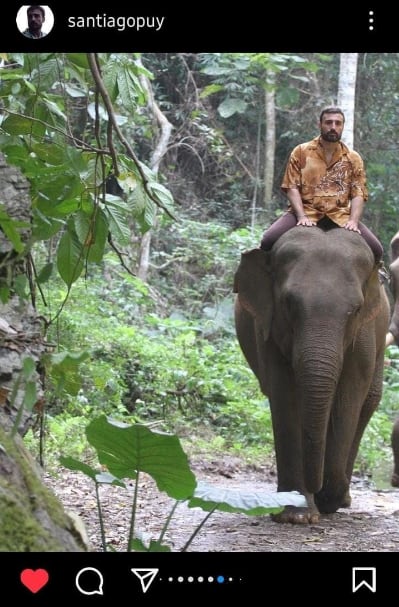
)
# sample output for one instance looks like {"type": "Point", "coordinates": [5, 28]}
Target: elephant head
{"type": "Point", "coordinates": [307, 317]}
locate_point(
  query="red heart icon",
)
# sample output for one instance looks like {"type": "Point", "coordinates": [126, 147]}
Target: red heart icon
{"type": "Point", "coordinates": [34, 580]}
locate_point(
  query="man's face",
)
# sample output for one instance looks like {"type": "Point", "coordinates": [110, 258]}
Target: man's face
{"type": "Point", "coordinates": [331, 127]}
{"type": "Point", "coordinates": [35, 20]}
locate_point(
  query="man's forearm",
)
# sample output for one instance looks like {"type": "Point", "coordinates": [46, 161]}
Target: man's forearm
{"type": "Point", "coordinates": [295, 199]}
{"type": "Point", "coordinates": [357, 205]}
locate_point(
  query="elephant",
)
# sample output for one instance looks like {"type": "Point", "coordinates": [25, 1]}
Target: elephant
{"type": "Point", "coordinates": [311, 319]}
{"type": "Point", "coordinates": [395, 451]}
{"type": "Point", "coordinates": [392, 338]}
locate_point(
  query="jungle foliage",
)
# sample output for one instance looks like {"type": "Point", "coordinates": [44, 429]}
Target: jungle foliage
{"type": "Point", "coordinates": [81, 130]}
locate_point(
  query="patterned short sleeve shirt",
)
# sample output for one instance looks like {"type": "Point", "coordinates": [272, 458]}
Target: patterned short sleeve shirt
{"type": "Point", "coordinates": [326, 189]}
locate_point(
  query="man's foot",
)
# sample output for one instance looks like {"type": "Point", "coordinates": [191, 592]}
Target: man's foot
{"type": "Point", "coordinates": [383, 273]}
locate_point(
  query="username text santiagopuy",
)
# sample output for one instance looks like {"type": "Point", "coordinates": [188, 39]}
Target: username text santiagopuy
{"type": "Point", "coordinates": [119, 23]}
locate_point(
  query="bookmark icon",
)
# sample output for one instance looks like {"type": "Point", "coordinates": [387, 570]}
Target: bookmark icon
{"type": "Point", "coordinates": [364, 576]}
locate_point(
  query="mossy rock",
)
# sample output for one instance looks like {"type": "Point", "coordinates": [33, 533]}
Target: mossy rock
{"type": "Point", "coordinates": [32, 519]}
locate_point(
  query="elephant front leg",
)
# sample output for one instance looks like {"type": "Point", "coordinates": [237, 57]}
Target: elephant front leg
{"type": "Point", "coordinates": [356, 400]}
{"type": "Point", "coordinates": [287, 430]}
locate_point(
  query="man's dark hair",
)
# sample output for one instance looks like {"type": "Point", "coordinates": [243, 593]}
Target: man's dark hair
{"type": "Point", "coordinates": [40, 8]}
{"type": "Point", "coordinates": [332, 109]}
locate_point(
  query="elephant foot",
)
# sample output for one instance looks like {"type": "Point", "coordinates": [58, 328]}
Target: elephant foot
{"type": "Point", "coordinates": [297, 516]}
{"type": "Point", "coordinates": [395, 480]}
{"type": "Point", "coordinates": [347, 500]}
{"type": "Point", "coordinates": [329, 503]}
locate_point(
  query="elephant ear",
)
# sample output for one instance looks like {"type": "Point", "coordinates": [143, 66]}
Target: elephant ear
{"type": "Point", "coordinates": [372, 297]}
{"type": "Point", "coordinates": [252, 282]}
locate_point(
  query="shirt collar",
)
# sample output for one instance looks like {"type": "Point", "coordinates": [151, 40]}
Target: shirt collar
{"type": "Point", "coordinates": [316, 143]}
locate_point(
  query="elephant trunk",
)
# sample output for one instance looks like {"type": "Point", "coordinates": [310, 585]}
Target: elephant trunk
{"type": "Point", "coordinates": [317, 370]}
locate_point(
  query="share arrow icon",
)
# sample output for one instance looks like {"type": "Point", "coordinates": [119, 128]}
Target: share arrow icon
{"type": "Point", "coordinates": [146, 577]}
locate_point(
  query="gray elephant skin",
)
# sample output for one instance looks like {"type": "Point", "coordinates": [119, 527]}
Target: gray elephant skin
{"type": "Point", "coordinates": [311, 319]}
{"type": "Point", "coordinates": [393, 338]}
{"type": "Point", "coordinates": [393, 331]}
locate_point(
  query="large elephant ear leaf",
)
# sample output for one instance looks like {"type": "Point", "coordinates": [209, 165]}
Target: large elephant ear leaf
{"type": "Point", "coordinates": [252, 503]}
{"type": "Point", "coordinates": [252, 282]}
{"type": "Point", "coordinates": [127, 450]}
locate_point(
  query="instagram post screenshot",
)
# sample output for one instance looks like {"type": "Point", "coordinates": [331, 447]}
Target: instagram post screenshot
{"type": "Point", "coordinates": [199, 303]}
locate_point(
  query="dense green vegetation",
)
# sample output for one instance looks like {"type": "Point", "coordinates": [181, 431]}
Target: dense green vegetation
{"type": "Point", "coordinates": [174, 365]}
{"type": "Point", "coordinates": [181, 368]}
{"type": "Point", "coordinates": [163, 349]}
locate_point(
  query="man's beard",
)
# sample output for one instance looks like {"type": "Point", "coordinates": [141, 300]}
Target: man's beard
{"type": "Point", "coordinates": [331, 136]}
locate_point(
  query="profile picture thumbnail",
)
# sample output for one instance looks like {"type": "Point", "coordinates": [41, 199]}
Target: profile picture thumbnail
{"type": "Point", "coordinates": [35, 21]}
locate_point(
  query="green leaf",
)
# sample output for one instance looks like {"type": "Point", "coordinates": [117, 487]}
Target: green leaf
{"type": "Point", "coordinates": [31, 87]}
{"type": "Point", "coordinates": [68, 360]}
{"type": "Point", "coordinates": [12, 74]}
{"type": "Point", "coordinates": [17, 154]}
{"type": "Point", "coordinates": [62, 209]}
{"type": "Point", "coordinates": [105, 478]}
{"type": "Point", "coordinates": [127, 89]}
{"type": "Point", "coordinates": [50, 153]}
{"type": "Point", "coordinates": [75, 465]}
{"type": "Point", "coordinates": [137, 198]}
{"type": "Point", "coordinates": [127, 450]}
{"type": "Point", "coordinates": [92, 232]}
{"type": "Point", "coordinates": [39, 111]}
{"type": "Point", "coordinates": [210, 90]}
{"type": "Point", "coordinates": [44, 227]}
{"type": "Point", "coordinates": [138, 545]}
{"type": "Point", "coordinates": [45, 273]}
{"type": "Point", "coordinates": [150, 213]}
{"type": "Point", "coordinates": [79, 59]}
{"type": "Point", "coordinates": [63, 370]}
{"type": "Point", "coordinates": [110, 77]}
{"type": "Point", "coordinates": [251, 503]}
{"type": "Point", "coordinates": [30, 395]}
{"type": "Point", "coordinates": [117, 211]}
{"type": "Point", "coordinates": [4, 294]}
{"type": "Point", "coordinates": [229, 107]}
{"type": "Point", "coordinates": [69, 257]}
{"type": "Point", "coordinates": [162, 193]}
{"type": "Point", "coordinates": [97, 476]}
{"type": "Point", "coordinates": [17, 125]}
{"type": "Point", "coordinates": [28, 367]}
{"type": "Point", "coordinates": [9, 227]}
{"type": "Point", "coordinates": [101, 229]}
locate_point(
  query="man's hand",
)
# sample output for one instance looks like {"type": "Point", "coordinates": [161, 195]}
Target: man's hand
{"type": "Point", "coordinates": [303, 220]}
{"type": "Point", "coordinates": [352, 225]}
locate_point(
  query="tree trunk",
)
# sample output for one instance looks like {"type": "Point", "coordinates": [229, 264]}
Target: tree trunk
{"type": "Point", "coordinates": [347, 92]}
{"type": "Point", "coordinates": [270, 143]}
{"type": "Point", "coordinates": [144, 256]}
{"type": "Point", "coordinates": [20, 329]}
{"type": "Point", "coordinates": [31, 517]}
{"type": "Point", "coordinates": [160, 149]}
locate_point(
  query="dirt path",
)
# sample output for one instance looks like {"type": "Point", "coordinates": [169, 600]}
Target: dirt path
{"type": "Point", "coordinates": [370, 525]}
